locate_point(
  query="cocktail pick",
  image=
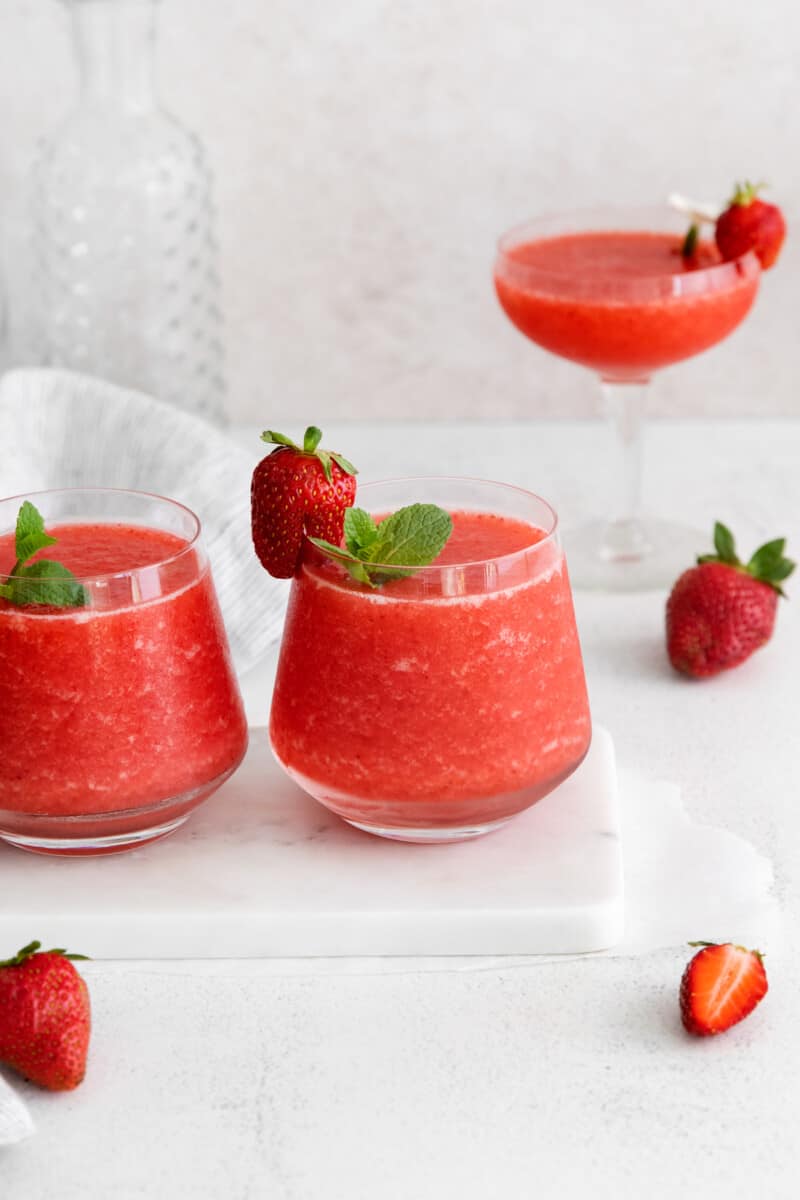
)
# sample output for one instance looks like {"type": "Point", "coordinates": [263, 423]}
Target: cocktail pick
{"type": "Point", "coordinates": [696, 210]}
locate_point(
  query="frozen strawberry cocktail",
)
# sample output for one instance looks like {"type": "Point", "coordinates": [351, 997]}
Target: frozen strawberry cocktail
{"type": "Point", "coordinates": [120, 708]}
{"type": "Point", "coordinates": [624, 302]}
{"type": "Point", "coordinates": [433, 703]}
{"type": "Point", "coordinates": [625, 293]}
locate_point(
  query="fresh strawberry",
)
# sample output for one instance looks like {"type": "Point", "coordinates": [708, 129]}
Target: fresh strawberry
{"type": "Point", "coordinates": [722, 610]}
{"type": "Point", "coordinates": [298, 491]}
{"type": "Point", "coordinates": [721, 985]}
{"type": "Point", "coordinates": [749, 223]}
{"type": "Point", "coordinates": [44, 1017]}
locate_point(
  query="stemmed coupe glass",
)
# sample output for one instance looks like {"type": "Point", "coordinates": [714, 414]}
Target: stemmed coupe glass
{"type": "Point", "coordinates": [612, 290]}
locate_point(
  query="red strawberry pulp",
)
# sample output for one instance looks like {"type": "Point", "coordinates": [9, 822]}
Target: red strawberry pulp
{"type": "Point", "coordinates": [624, 303]}
{"type": "Point", "coordinates": [128, 704]}
{"type": "Point", "coordinates": [418, 707]}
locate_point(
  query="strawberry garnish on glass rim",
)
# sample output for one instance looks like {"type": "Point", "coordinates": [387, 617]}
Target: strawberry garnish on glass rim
{"type": "Point", "coordinates": [721, 985]}
{"type": "Point", "coordinates": [750, 223]}
{"type": "Point", "coordinates": [303, 492]}
{"type": "Point", "coordinates": [747, 223]}
{"type": "Point", "coordinates": [298, 492]}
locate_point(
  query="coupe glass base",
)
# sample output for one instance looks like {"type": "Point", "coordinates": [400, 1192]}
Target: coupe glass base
{"type": "Point", "coordinates": [631, 557]}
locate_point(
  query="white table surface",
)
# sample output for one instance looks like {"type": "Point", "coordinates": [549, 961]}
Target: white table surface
{"type": "Point", "coordinates": [406, 1079]}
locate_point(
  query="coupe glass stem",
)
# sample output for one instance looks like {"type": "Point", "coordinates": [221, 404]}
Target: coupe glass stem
{"type": "Point", "coordinates": [624, 537]}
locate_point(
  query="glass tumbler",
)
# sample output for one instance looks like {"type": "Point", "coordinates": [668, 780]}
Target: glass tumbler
{"type": "Point", "coordinates": [119, 717]}
{"type": "Point", "coordinates": [436, 707]}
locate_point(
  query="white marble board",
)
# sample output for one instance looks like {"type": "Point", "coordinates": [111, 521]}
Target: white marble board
{"type": "Point", "coordinates": [262, 871]}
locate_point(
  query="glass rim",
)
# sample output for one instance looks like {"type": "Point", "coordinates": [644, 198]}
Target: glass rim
{"type": "Point", "coordinates": [101, 576]}
{"type": "Point", "coordinates": [515, 235]}
{"type": "Point", "coordinates": [534, 547]}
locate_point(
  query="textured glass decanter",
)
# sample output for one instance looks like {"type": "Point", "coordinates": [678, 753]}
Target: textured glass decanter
{"type": "Point", "coordinates": [127, 264]}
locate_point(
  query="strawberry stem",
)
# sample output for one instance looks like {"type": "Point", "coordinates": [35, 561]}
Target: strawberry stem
{"type": "Point", "coordinates": [33, 948]}
{"type": "Point", "coordinates": [311, 439]}
{"type": "Point", "coordinates": [768, 564]}
{"type": "Point", "coordinates": [745, 193]}
{"type": "Point", "coordinates": [21, 955]}
{"type": "Point", "coordinates": [278, 439]}
{"type": "Point", "coordinates": [724, 543]}
{"type": "Point", "coordinates": [690, 241]}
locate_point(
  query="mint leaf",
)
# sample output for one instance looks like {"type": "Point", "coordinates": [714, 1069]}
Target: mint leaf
{"type": "Point", "coordinates": [411, 537]}
{"type": "Point", "coordinates": [358, 571]}
{"type": "Point", "coordinates": [349, 561]}
{"type": "Point", "coordinates": [334, 551]}
{"type": "Point", "coordinates": [360, 531]}
{"type": "Point", "coordinates": [42, 582]}
{"type": "Point", "coordinates": [30, 535]}
{"type": "Point", "coordinates": [46, 582]}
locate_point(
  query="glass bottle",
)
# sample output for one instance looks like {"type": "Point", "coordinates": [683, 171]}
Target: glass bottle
{"type": "Point", "coordinates": [126, 255]}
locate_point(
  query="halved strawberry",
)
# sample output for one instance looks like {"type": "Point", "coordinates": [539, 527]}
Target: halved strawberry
{"type": "Point", "coordinates": [721, 985]}
{"type": "Point", "coordinates": [298, 490]}
{"type": "Point", "coordinates": [749, 223]}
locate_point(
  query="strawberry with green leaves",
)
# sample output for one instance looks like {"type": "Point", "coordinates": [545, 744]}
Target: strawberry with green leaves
{"type": "Point", "coordinates": [45, 1018]}
{"type": "Point", "coordinates": [750, 223]}
{"type": "Point", "coordinates": [721, 985]}
{"type": "Point", "coordinates": [301, 493]}
{"type": "Point", "coordinates": [297, 492]}
{"type": "Point", "coordinates": [722, 610]}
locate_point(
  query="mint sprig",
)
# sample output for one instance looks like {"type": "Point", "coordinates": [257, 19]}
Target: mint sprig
{"type": "Point", "coordinates": [44, 581]}
{"type": "Point", "coordinates": [411, 537]}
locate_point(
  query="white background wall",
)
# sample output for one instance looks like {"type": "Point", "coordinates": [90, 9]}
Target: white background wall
{"type": "Point", "coordinates": [368, 152]}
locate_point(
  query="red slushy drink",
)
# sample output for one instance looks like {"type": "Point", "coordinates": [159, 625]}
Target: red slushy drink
{"type": "Point", "coordinates": [121, 715]}
{"type": "Point", "coordinates": [438, 705]}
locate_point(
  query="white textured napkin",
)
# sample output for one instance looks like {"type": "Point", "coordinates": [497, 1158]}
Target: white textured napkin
{"type": "Point", "coordinates": [15, 1120]}
{"type": "Point", "coordinates": [686, 881]}
{"type": "Point", "coordinates": [59, 429]}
